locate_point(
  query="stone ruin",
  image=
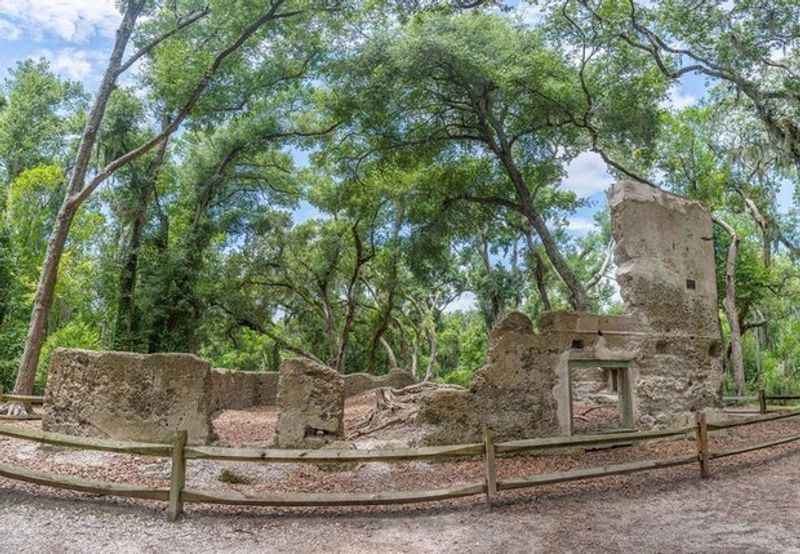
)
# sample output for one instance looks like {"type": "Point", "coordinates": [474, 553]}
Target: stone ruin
{"type": "Point", "coordinates": [665, 353]}
{"type": "Point", "coordinates": [663, 357]}
{"type": "Point", "coordinates": [126, 396]}
{"type": "Point", "coordinates": [310, 403]}
{"type": "Point", "coordinates": [239, 390]}
{"type": "Point", "coordinates": [148, 397]}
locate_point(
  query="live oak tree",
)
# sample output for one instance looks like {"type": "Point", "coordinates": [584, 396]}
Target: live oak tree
{"type": "Point", "coordinates": [477, 86]}
{"type": "Point", "coordinates": [749, 47]}
{"type": "Point", "coordinates": [227, 31]}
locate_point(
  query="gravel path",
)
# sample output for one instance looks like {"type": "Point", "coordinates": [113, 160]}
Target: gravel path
{"type": "Point", "coordinates": [749, 505]}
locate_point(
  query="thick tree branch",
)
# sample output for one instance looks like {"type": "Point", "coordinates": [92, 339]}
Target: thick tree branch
{"type": "Point", "coordinates": [182, 23]}
{"type": "Point", "coordinates": [187, 108]}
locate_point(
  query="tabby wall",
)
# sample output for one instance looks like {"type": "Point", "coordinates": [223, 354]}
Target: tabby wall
{"type": "Point", "coordinates": [126, 396]}
{"type": "Point", "coordinates": [669, 336]}
{"type": "Point", "coordinates": [238, 390]}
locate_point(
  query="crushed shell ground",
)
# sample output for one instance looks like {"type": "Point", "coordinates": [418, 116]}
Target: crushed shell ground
{"type": "Point", "coordinates": [751, 503]}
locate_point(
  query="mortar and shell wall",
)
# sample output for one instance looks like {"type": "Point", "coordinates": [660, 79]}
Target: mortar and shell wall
{"type": "Point", "coordinates": [669, 340]}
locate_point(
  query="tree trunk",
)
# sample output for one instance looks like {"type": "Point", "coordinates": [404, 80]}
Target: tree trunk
{"type": "Point", "coordinates": [124, 329]}
{"type": "Point", "coordinates": [515, 273]}
{"type": "Point", "coordinates": [737, 358]}
{"type": "Point", "coordinates": [539, 271]}
{"type": "Point", "coordinates": [127, 321]}
{"type": "Point", "coordinates": [496, 304]}
{"type": "Point", "coordinates": [352, 297]}
{"type": "Point", "coordinates": [43, 300]}
{"type": "Point", "coordinates": [37, 330]}
{"type": "Point", "coordinates": [415, 360]}
{"type": "Point", "coordinates": [391, 290]}
{"type": "Point", "coordinates": [432, 360]}
{"type": "Point", "coordinates": [576, 289]}
{"type": "Point", "coordinates": [390, 354]}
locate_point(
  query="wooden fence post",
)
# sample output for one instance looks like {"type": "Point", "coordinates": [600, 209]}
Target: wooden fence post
{"type": "Point", "coordinates": [178, 476]}
{"type": "Point", "coordinates": [702, 443]}
{"type": "Point", "coordinates": [489, 460]}
{"type": "Point", "coordinates": [762, 401]}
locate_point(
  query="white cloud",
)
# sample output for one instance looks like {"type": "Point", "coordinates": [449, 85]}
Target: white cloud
{"type": "Point", "coordinates": [581, 225]}
{"type": "Point", "coordinates": [679, 99]}
{"type": "Point", "coordinates": [529, 14]}
{"type": "Point", "coordinates": [9, 31]}
{"type": "Point", "coordinates": [71, 20]}
{"type": "Point", "coordinates": [74, 63]}
{"type": "Point", "coordinates": [586, 175]}
{"type": "Point", "coordinates": [465, 302]}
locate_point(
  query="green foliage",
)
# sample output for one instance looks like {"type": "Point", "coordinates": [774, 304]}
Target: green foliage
{"type": "Point", "coordinates": [463, 342]}
{"type": "Point", "coordinates": [31, 206]}
{"type": "Point", "coordinates": [40, 113]}
{"type": "Point", "coordinates": [75, 334]}
{"type": "Point", "coordinates": [250, 352]}
{"type": "Point", "coordinates": [418, 146]}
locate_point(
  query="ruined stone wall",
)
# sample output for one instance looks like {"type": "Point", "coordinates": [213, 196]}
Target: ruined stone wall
{"type": "Point", "coordinates": [238, 390]}
{"type": "Point", "coordinates": [512, 393]}
{"type": "Point", "coordinates": [311, 404]}
{"type": "Point", "coordinates": [128, 396]}
{"type": "Point", "coordinates": [665, 260]}
{"type": "Point", "coordinates": [669, 338]}
{"type": "Point", "coordinates": [357, 383]}
{"type": "Point", "coordinates": [667, 278]}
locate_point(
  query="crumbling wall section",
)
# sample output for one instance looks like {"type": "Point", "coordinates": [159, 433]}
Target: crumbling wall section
{"type": "Point", "coordinates": [512, 393]}
{"type": "Point", "coordinates": [310, 403]}
{"type": "Point", "coordinates": [667, 278]}
{"type": "Point", "coordinates": [126, 396]}
{"type": "Point", "coordinates": [669, 339]}
{"type": "Point", "coordinates": [239, 390]}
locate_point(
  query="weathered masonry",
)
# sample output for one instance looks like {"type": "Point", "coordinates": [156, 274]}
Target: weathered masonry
{"type": "Point", "coordinates": [310, 404]}
{"type": "Point", "coordinates": [127, 396]}
{"type": "Point", "coordinates": [662, 357]}
{"type": "Point", "coordinates": [148, 397]}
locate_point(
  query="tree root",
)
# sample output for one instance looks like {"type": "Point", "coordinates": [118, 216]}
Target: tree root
{"type": "Point", "coordinates": [393, 407]}
{"type": "Point", "coordinates": [15, 409]}
{"type": "Point", "coordinates": [593, 408]}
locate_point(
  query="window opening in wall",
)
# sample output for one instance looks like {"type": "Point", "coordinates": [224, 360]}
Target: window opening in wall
{"type": "Point", "coordinates": [601, 398]}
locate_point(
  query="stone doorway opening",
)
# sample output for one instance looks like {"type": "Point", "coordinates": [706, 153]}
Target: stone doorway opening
{"type": "Point", "coordinates": [600, 396]}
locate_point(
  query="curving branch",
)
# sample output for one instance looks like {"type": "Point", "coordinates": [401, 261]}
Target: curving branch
{"type": "Point", "coordinates": [601, 272]}
{"type": "Point", "coordinates": [182, 23]}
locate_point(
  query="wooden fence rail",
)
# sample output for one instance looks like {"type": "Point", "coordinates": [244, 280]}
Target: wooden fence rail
{"type": "Point", "coordinates": [761, 397]}
{"type": "Point", "coordinates": [24, 398]}
{"type": "Point", "coordinates": [86, 443]}
{"type": "Point", "coordinates": [36, 400]}
{"type": "Point", "coordinates": [178, 494]}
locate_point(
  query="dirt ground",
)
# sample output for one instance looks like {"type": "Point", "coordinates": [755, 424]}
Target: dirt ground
{"type": "Point", "coordinates": [750, 504]}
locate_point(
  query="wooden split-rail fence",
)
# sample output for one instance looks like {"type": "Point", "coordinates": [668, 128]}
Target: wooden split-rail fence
{"type": "Point", "coordinates": [22, 399]}
{"type": "Point", "coordinates": [181, 453]}
{"type": "Point", "coordinates": [762, 398]}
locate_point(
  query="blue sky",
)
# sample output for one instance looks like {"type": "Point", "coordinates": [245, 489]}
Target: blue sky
{"type": "Point", "coordinates": [76, 36]}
